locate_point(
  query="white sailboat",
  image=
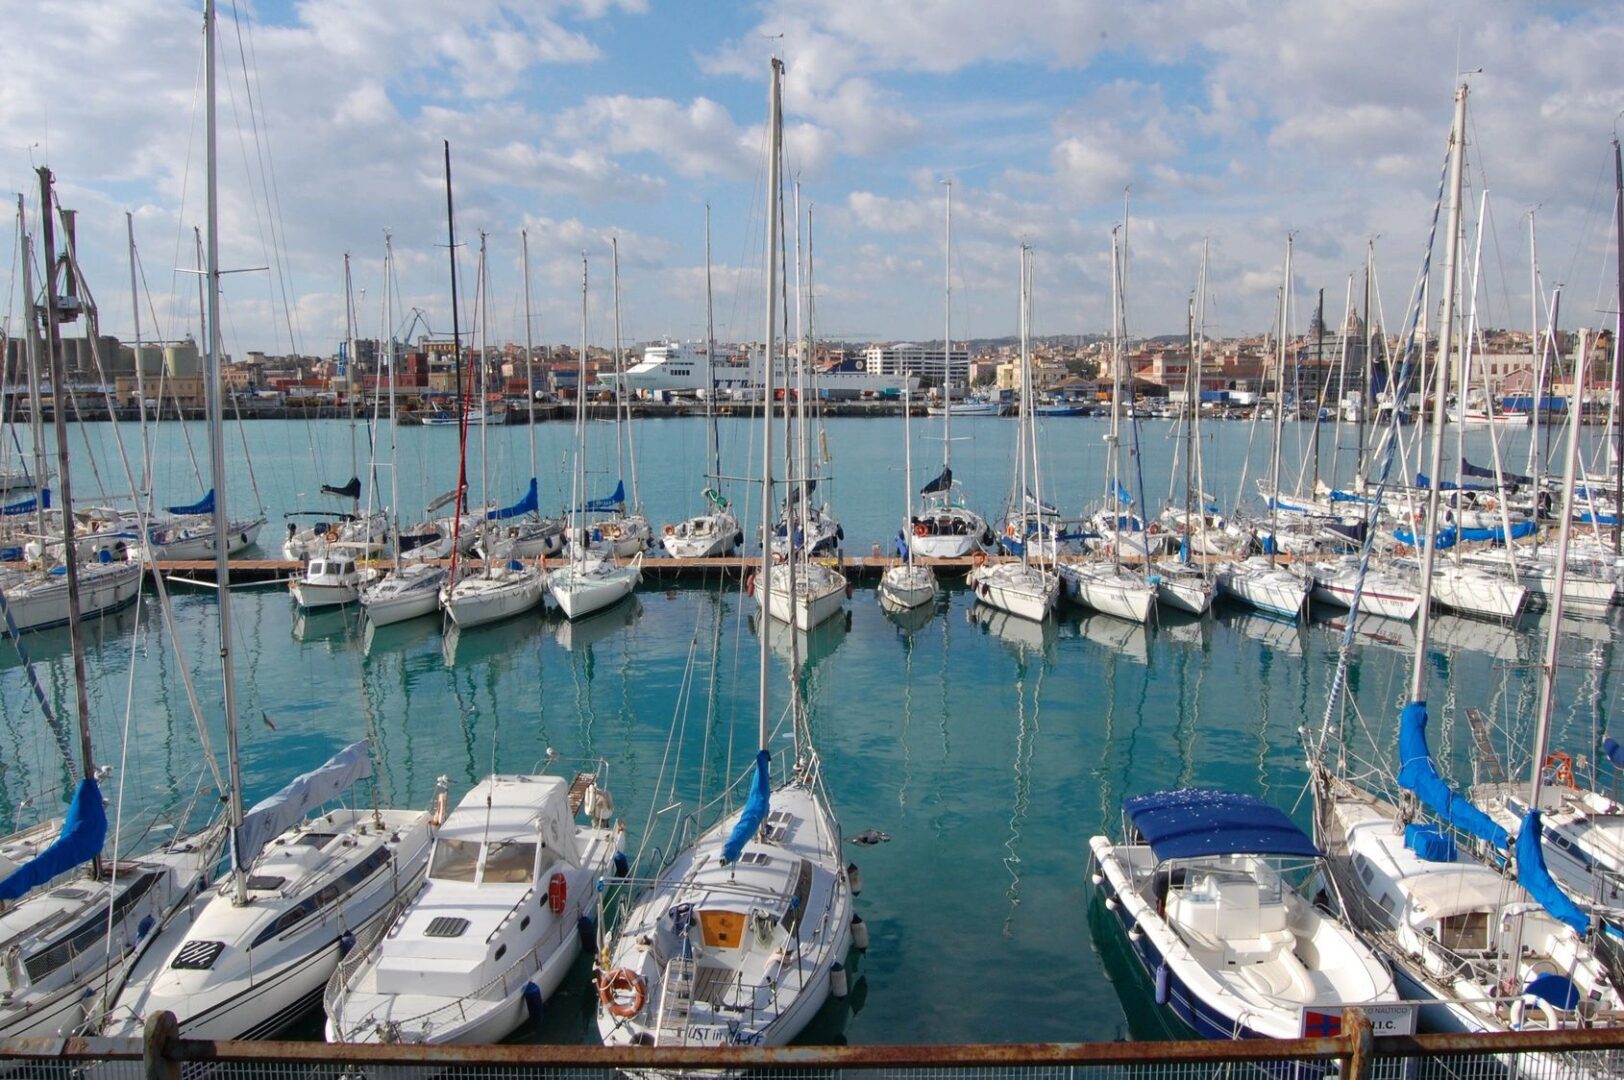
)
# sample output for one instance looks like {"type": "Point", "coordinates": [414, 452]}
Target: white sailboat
{"type": "Point", "coordinates": [260, 949]}
{"type": "Point", "coordinates": [1182, 583]}
{"type": "Point", "coordinates": [493, 931]}
{"type": "Point", "coordinates": [1105, 584]}
{"type": "Point", "coordinates": [412, 588]}
{"type": "Point", "coordinates": [591, 579]}
{"type": "Point", "coordinates": [623, 531]}
{"type": "Point", "coordinates": [738, 940]}
{"type": "Point", "coordinates": [1026, 586]}
{"type": "Point", "coordinates": [907, 584]}
{"type": "Point", "coordinates": [945, 527]}
{"type": "Point", "coordinates": [716, 530]}
{"type": "Point", "coordinates": [499, 589]}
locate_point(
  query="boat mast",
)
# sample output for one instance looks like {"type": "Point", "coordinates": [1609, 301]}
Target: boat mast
{"type": "Point", "coordinates": [389, 328]}
{"type": "Point", "coordinates": [482, 286]}
{"type": "Point", "coordinates": [1023, 426]}
{"type": "Point", "coordinates": [1113, 495]}
{"type": "Point", "coordinates": [710, 362]}
{"type": "Point", "coordinates": [947, 342]}
{"type": "Point", "coordinates": [70, 558]}
{"type": "Point", "coordinates": [462, 395]}
{"type": "Point", "coordinates": [1366, 400]}
{"type": "Point", "coordinates": [36, 411]}
{"type": "Point", "coordinates": [775, 122]}
{"type": "Point", "coordinates": [1426, 530]}
{"type": "Point", "coordinates": [529, 355]}
{"type": "Point", "coordinates": [1279, 405]}
{"type": "Point", "coordinates": [217, 459]}
{"type": "Point", "coordinates": [803, 439]}
{"type": "Point", "coordinates": [349, 373]}
{"type": "Point", "coordinates": [1197, 495]}
{"type": "Point", "coordinates": [1618, 351]}
{"type": "Point", "coordinates": [1319, 401]}
{"type": "Point", "coordinates": [623, 407]}
{"type": "Point", "coordinates": [140, 379]}
{"type": "Point", "coordinates": [577, 539]}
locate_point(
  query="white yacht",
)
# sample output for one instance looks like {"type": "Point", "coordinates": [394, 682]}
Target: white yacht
{"type": "Point", "coordinates": [679, 367]}
{"type": "Point", "coordinates": [39, 600]}
{"type": "Point", "coordinates": [493, 592]}
{"type": "Point", "coordinates": [410, 590]}
{"type": "Point", "coordinates": [330, 579]}
{"type": "Point", "coordinates": [1260, 583]}
{"type": "Point", "coordinates": [803, 593]}
{"type": "Point", "coordinates": [591, 582]}
{"type": "Point", "coordinates": [495, 925]}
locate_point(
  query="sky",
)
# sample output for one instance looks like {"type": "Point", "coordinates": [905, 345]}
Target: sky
{"type": "Point", "coordinates": [1229, 123]}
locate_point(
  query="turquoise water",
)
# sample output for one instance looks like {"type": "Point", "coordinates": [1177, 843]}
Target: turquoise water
{"type": "Point", "coordinates": [989, 749]}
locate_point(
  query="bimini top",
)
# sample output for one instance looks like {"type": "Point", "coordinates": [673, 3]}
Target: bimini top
{"type": "Point", "coordinates": [1188, 824]}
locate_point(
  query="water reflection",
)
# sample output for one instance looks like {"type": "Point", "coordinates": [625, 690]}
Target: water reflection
{"type": "Point", "coordinates": [577, 634]}
{"type": "Point", "coordinates": [1022, 635]}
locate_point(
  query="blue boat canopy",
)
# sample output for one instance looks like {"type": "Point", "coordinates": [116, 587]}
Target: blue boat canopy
{"type": "Point", "coordinates": [205, 505]}
{"type": "Point", "coordinates": [1192, 823]}
{"type": "Point", "coordinates": [526, 505]}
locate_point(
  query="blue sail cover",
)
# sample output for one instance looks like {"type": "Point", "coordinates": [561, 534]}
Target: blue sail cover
{"type": "Point", "coordinates": [28, 505]}
{"type": "Point", "coordinates": [1417, 773]}
{"type": "Point", "coordinates": [1193, 823]}
{"type": "Point", "coordinates": [303, 793]}
{"type": "Point", "coordinates": [941, 483]}
{"type": "Point", "coordinates": [608, 504]}
{"type": "Point", "coordinates": [1445, 539]}
{"type": "Point", "coordinates": [83, 832]}
{"type": "Point", "coordinates": [526, 505]}
{"type": "Point", "coordinates": [205, 505]}
{"type": "Point", "coordinates": [1497, 535]}
{"type": "Point", "coordinates": [1595, 517]}
{"type": "Point", "coordinates": [1614, 752]}
{"type": "Point", "coordinates": [1122, 494]}
{"type": "Point", "coordinates": [1533, 876]}
{"type": "Point", "coordinates": [755, 811]}
{"type": "Point", "coordinates": [1424, 481]}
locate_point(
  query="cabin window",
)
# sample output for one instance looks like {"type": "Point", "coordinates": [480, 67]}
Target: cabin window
{"type": "Point", "coordinates": [1366, 874]}
{"type": "Point", "coordinates": [509, 861]}
{"type": "Point", "coordinates": [315, 839]}
{"type": "Point", "coordinates": [317, 567]}
{"type": "Point", "coordinates": [1466, 932]}
{"type": "Point", "coordinates": [349, 568]}
{"type": "Point", "coordinates": [454, 860]}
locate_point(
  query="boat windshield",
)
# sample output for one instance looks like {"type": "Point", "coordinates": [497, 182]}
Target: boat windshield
{"type": "Point", "coordinates": [509, 861]}
{"type": "Point", "coordinates": [455, 860]}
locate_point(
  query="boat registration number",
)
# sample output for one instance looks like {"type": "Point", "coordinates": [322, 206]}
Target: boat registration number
{"type": "Point", "coordinates": [721, 1035]}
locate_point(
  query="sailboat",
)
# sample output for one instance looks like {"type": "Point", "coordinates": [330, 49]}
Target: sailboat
{"type": "Point", "coordinates": [499, 589]}
{"type": "Point", "coordinates": [800, 592]}
{"type": "Point", "coordinates": [1022, 587]}
{"type": "Point", "coordinates": [412, 588]}
{"type": "Point", "coordinates": [67, 940]}
{"type": "Point", "coordinates": [590, 580]}
{"type": "Point", "coordinates": [1182, 583]}
{"type": "Point", "coordinates": [1107, 585]}
{"type": "Point", "coordinates": [519, 531]}
{"type": "Point", "coordinates": [907, 584]}
{"type": "Point", "coordinates": [351, 526]}
{"type": "Point", "coordinates": [716, 530]}
{"type": "Point", "coordinates": [304, 875]}
{"type": "Point", "coordinates": [622, 531]}
{"type": "Point", "coordinates": [945, 527]}
{"type": "Point", "coordinates": [1473, 948]}
{"type": "Point", "coordinates": [738, 939]}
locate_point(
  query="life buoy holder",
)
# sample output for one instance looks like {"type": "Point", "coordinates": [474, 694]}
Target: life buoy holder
{"type": "Point", "coordinates": [1009, 529]}
{"type": "Point", "coordinates": [331, 536]}
{"type": "Point", "coordinates": [558, 891]}
{"type": "Point", "coordinates": [670, 530]}
{"type": "Point", "coordinates": [1521, 1007]}
{"type": "Point", "coordinates": [920, 530]}
{"type": "Point", "coordinates": [750, 584]}
{"type": "Point", "coordinates": [622, 992]}
{"type": "Point", "coordinates": [1561, 765]}
{"type": "Point", "coordinates": [979, 559]}
{"type": "Point", "coordinates": [1490, 503]}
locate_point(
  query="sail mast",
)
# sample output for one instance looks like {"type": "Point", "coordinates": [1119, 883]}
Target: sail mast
{"type": "Point", "coordinates": [461, 501]}
{"type": "Point", "coordinates": [947, 339]}
{"type": "Point", "coordinates": [774, 198]}
{"type": "Point", "coordinates": [349, 376]}
{"type": "Point", "coordinates": [710, 362]}
{"type": "Point", "coordinates": [529, 354]}
{"type": "Point", "coordinates": [36, 413]}
{"type": "Point", "coordinates": [1425, 531]}
{"type": "Point", "coordinates": [389, 328]}
{"type": "Point", "coordinates": [1618, 351]}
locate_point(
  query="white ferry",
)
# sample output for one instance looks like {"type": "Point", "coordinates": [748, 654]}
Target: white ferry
{"type": "Point", "coordinates": [679, 368]}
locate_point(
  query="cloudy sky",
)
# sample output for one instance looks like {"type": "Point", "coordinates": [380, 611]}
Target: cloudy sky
{"type": "Point", "coordinates": [582, 120]}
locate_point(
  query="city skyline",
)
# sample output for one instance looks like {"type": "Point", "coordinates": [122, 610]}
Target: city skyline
{"type": "Point", "coordinates": [585, 119]}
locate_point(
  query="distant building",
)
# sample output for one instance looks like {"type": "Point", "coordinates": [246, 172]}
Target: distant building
{"type": "Point", "coordinates": [928, 362]}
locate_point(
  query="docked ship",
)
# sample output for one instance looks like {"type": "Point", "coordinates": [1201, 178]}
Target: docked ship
{"type": "Point", "coordinates": [679, 367]}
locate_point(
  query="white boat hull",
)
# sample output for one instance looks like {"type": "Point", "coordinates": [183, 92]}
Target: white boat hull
{"type": "Point", "coordinates": [1104, 589]}
{"type": "Point", "coordinates": [1029, 593]}
{"type": "Point", "coordinates": [908, 586]}
{"type": "Point", "coordinates": [409, 592]}
{"type": "Point", "coordinates": [1472, 591]}
{"type": "Point", "coordinates": [1267, 587]}
{"type": "Point", "coordinates": [498, 593]}
{"type": "Point", "coordinates": [1184, 589]}
{"type": "Point", "coordinates": [43, 602]}
{"type": "Point", "coordinates": [812, 595]}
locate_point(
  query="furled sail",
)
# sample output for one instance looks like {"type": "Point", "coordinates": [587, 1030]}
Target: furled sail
{"type": "Point", "coordinates": [1443, 541]}
{"type": "Point", "coordinates": [1497, 535]}
{"type": "Point", "coordinates": [526, 505]}
{"type": "Point", "coordinates": [1422, 480]}
{"type": "Point", "coordinates": [205, 505]}
{"type": "Point", "coordinates": [941, 483]}
{"type": "Point", "coordinates": [607, 504]}
{"type": "Point", "coordinates": [754, 813]}
{"type": "Point", "coordinates": [303, 793]}
{"type": "Point", "coordinates": [1468, 469]}
{"type": "Point", "coordinates": [83, 832]}
{"type": "Point", "coordinates": [28, 505]}
{"type": "Point", "coordinates": [351, 490]}
{"type": "Point", "coordinates": [1533, 876]}
{"type": "Point", "coordinates": [1416, 773]}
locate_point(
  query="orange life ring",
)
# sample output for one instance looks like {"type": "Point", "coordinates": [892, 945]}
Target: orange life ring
{"type": "Point", "coordinates": [670, 530]}
{"type": "Point", "coordinates": [920, 530]}
{"type": "Point", "coordinates": [622, 992]}
{"type": "Point", "coordinates": [558, 889]}
{"type": "Point", "coordinates": [750, 584]}
{"type": "Point", "coordinates": [1562, 763]}
{"type": "Point", "coordinates": [1009, 529]}
{"type": "Point", "coordinates": [979, 559]}
{"type": "Point", "coordinates": [331, 536]}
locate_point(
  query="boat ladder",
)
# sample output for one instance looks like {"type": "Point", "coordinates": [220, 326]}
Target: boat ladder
{"type": "Point", "coordinates": [676, 999]}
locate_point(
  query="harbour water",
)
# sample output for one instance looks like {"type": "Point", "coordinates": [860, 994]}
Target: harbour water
{"type": "Point", "coordinates": [989, 749]}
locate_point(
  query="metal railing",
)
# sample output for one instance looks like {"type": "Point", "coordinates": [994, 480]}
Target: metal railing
{"type": "Point", "coordinates": [1355, 1054]}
